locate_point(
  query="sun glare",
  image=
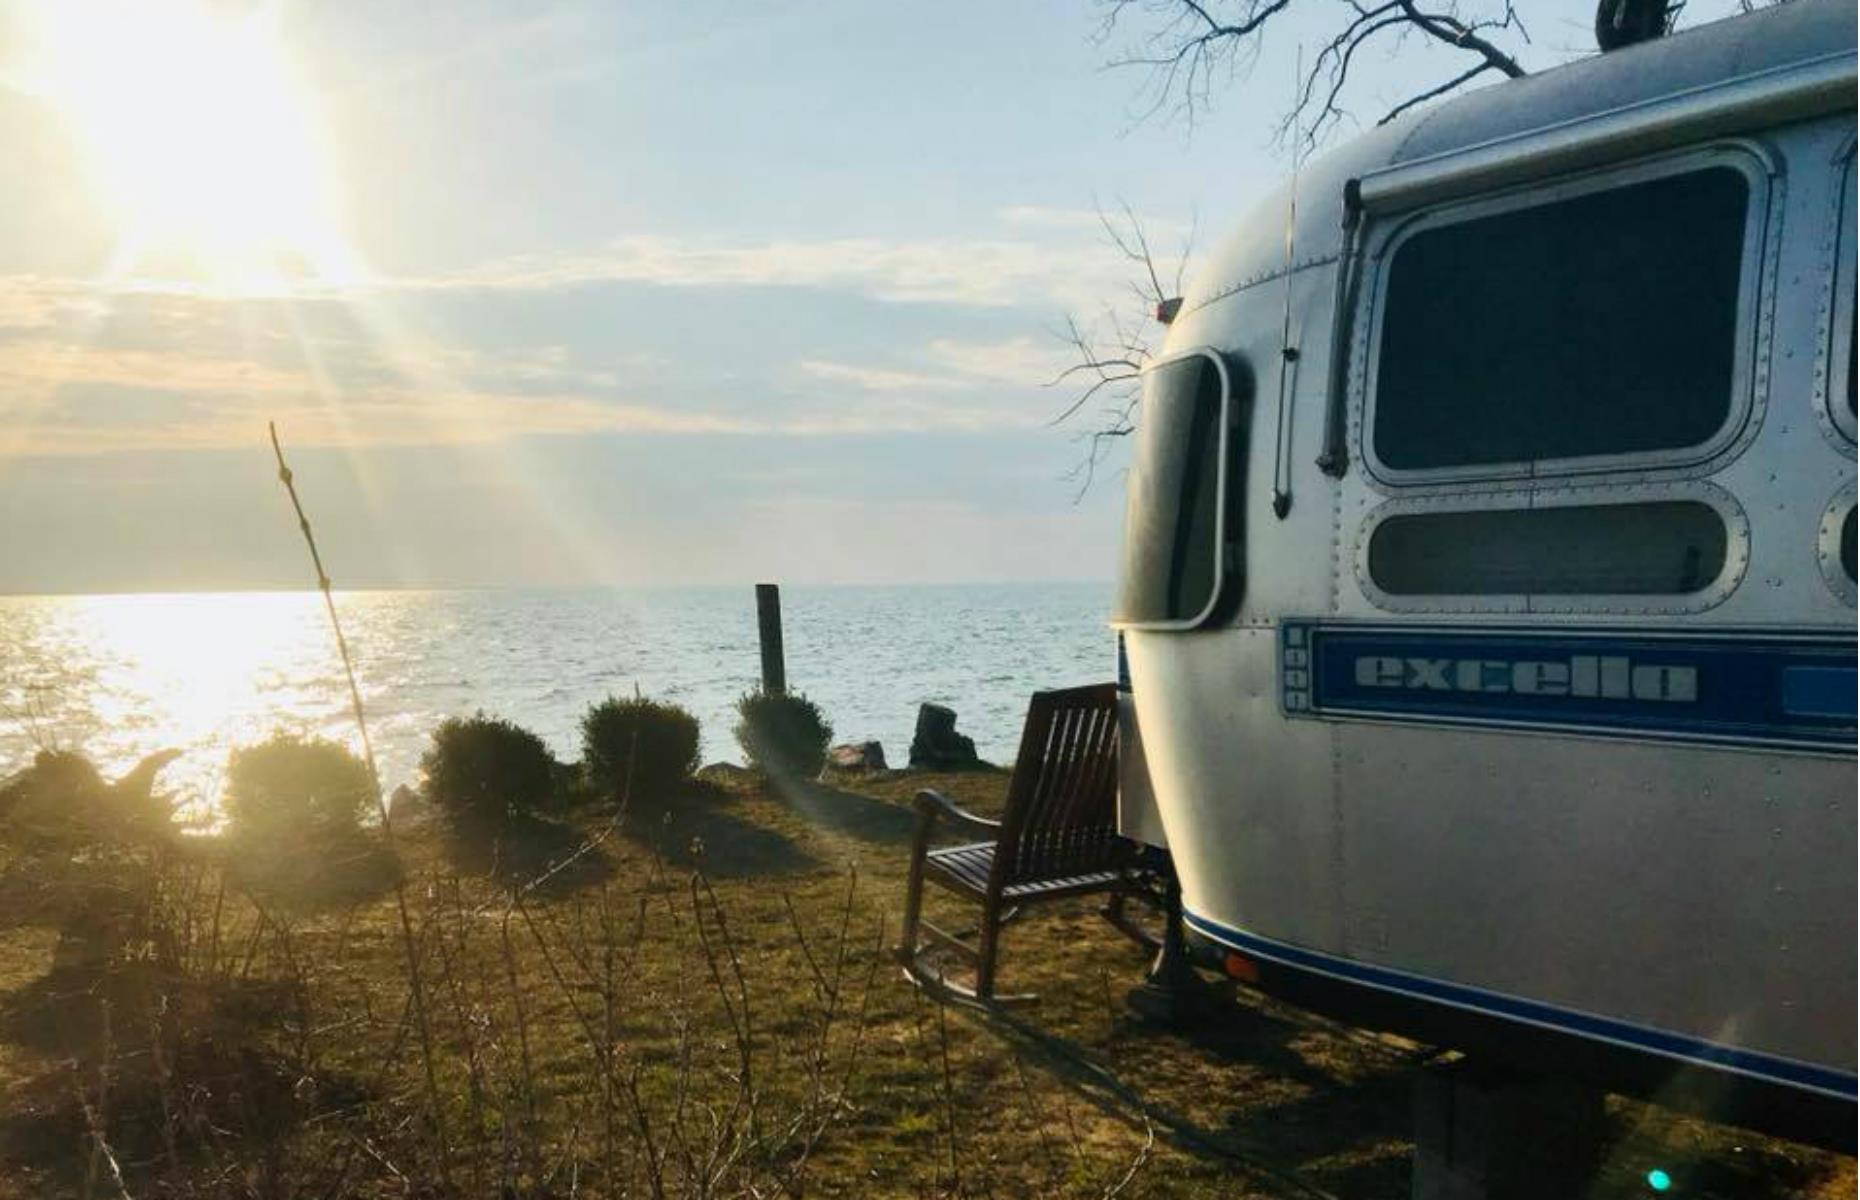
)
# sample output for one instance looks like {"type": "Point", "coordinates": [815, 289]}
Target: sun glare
{"type": "Point", "coordinates": [200, 138]}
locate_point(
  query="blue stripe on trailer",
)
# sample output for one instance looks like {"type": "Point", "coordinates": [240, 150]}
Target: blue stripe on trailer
{"type": "Point", "coordinates": [1819, 692]}
{"type": "Point", "coordinates": [1735, 688]}
{"type": "Point", "coordinates": [1671, 1045]}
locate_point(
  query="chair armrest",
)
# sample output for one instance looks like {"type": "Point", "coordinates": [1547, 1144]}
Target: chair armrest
{"type": "Point", "coordinates": [934, 805]}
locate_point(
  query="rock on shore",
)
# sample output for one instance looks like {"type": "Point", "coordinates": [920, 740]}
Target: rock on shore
{"type": "Point", "coordinates": [937, 746]}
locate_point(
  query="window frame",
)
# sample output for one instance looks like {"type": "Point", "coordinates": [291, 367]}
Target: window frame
{"type": "Point", "coordinates": [1714, 593]}
{"type": "Point", "coordinates": [1223, 478]}
{"type": "Point", "coordinates": [1835, 346]}
{"type": "Point", "coordinates": [1828, 543]}
{"type": "Point", "coordinates": [1755, 163]}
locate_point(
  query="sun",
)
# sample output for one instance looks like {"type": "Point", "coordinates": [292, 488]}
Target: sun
{"type": "Point", "coordinates": [200, 138]}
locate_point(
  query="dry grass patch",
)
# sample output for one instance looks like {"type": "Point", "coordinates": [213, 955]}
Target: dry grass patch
{"type": "Point", "coordinates": [712, 1010]}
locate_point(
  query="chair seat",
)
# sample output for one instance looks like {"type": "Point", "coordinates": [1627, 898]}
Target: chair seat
{"type": "Point", "coordinates": [966, 869]}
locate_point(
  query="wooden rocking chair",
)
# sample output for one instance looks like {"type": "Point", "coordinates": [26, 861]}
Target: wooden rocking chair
{"type": "Point", "coordinates": [1056, 838]}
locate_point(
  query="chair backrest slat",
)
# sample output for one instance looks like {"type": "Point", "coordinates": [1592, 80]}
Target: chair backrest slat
{"type": "Point", "coordinates": [1062, 829]}
{"type": "Point", "coordinates": [1061, 816]}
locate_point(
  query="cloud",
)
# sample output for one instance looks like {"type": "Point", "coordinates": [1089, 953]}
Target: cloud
{"type": "Point", "coordinates": [989, 273]}
{"type": "Point", "coordinates": [1044, 257]}
{"type": "Point", "coordinates": [380, 418]}
{"type": "Point", "coordinates": [1023, 361]}
{"type": "Point", "coordinates": [879, 379]}
{"type": "Point", "coordinates": [908, 414]}
{"type": "Point", "coordinates": [69, 398]}
{"type": "Point", "coordinates": [385, 418]}
{"type": "Point", "coordinates": [373, 361]}
{"type": "Point", "coordinates": [37, 368]}
{"type": "Point", "coordinates": [947, 365]}
{"type": "Point", "coordinates": [1090, 220]}
{"type": "Point", "coordinates": [31, 302]}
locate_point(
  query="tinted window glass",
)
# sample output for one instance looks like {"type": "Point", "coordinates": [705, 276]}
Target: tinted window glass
{"type": "Point", "coordinates": [1670, 547]}
{"type": "Point", "coordinates": [1601, 324]}
{"type": "Point", "coordinates": [1171, 548]}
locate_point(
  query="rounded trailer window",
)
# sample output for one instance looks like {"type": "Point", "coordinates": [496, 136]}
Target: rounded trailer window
{"type": "Point", "coordinates": [1174, 557]}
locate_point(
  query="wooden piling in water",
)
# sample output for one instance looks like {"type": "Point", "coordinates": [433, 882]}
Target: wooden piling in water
{"type": "Point", "coordinates": [768, 631]}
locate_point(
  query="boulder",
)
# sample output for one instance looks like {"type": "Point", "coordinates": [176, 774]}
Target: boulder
{"type": "Point", "coordinates": [409, 808]}
{"type": "Point", "coordinates": [857, 756]}
{"type": "Point", "coordinates": [724, 774]}
{"type": "Point", "coordinates": [937, 746]}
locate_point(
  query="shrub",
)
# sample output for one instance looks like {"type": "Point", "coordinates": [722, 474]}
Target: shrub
{"type": "Point", "coordinates": [85, 856]}
{"type": "Point", "coordinates": [637, 748]}
{"type": "Point", "coordinates": [783, 734]}
{"type": "Point", "coordinates": [290, 788]}
{"type": "Point", "coordinates": [484, 768]}
{"type": "Point", "coordinates": [59, 800]}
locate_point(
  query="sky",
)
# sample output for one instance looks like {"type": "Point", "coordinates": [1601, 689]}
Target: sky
{"type": "Point", "coordinates": [583, 293]}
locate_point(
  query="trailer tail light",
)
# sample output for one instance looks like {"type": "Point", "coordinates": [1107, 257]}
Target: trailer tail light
{"type": "Point", "coordinates": [1243, 969]}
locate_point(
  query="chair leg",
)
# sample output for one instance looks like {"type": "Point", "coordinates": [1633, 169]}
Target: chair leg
{"type": "Point", "coordinates": [933, 979]}
{"type": "Point", "coordinates": [913, 906]}
{"type": "Point", "coordinates": [1113, 912]}
{"type": "Point", "coordinates": [991, 945]}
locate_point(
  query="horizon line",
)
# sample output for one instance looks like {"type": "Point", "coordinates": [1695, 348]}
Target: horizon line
{"type": "Point", "coordinates": [310, 589]}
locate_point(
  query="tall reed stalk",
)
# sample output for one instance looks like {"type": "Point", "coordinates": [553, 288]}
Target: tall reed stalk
{"type": "Point", "coordinates": [408, 942]}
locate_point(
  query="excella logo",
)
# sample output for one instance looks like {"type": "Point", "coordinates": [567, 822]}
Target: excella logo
{"type": "Point", "coordinates": [1607, 677]}
{"type": "Point", "coordinates": [1778, 691]}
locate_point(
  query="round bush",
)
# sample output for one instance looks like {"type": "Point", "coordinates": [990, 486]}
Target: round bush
{"type": "Point", "coordinates": [292, 787]}
{"type": "Point", "coordinates": [485, 768]}
{"type": "Point", "coordinates": [61, 800]}
{"type": "Point", "coordinates": [783, 734]}
{"type": "Point", "coordinates": [637, 749]}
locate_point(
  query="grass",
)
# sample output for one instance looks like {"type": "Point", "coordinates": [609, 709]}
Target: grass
{"type": "Point", "coordinates": [702, 1004]}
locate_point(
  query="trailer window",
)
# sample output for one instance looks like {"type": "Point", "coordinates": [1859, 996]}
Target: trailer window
{"type": "Point", "coordinates": [1601, 324]}
{"type": "Point", "coordinates": [1658, 548]}
{"type": "Point", "coordinates": [1842, 323]}
{"type": "Point", "coordinates": [1172, 562]}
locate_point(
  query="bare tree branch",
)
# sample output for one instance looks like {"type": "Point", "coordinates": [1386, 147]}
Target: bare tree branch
{"type": "Point", "coordinates": [1195, 44]}
{"type": "Point", "coordinates": [1191, 45]}
{"type": "Point", "coordinates": [1431, 93]}
{"type": "Point", "coordinates": [1110, 353]}
{"type": "Point", "coordinates": [1450, 29]}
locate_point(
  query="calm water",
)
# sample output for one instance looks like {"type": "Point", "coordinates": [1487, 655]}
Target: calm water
{"type": "Point", "coordinates": [122, 676]}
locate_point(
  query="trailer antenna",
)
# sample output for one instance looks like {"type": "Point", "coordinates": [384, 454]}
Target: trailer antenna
{"type": "Point", "coordinates": [1288, 353]}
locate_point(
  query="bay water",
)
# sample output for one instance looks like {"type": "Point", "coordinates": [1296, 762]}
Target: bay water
{"type": "Point", "coordinates": [121, 676]}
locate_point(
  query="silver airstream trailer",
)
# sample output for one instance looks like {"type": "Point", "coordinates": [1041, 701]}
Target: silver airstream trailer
{"type": "Point", "coordinates": [1487, 599]}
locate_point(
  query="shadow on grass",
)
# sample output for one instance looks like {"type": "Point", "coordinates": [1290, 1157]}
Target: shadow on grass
{"type": "Point", "coordinates": [695, 834]}
{"type": "Point", "coordinates": [344, 870]}
{"type": "Point", "coordinates": [62, 1012]}
{"type": "Point", "coordinates": [1316, 1110]}
{"type": "Point", "coordinates": [528, 849]}
{"type": "Point", "coordinates": [839, 811]}
{"type": "Point", "coordinates": [1349, 1136]}
{"type": "Point", "coordinates": [239, 1088]}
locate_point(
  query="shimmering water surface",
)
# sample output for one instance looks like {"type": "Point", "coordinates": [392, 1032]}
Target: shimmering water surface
{"type": "Point", "coordinates": [122, 676]}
